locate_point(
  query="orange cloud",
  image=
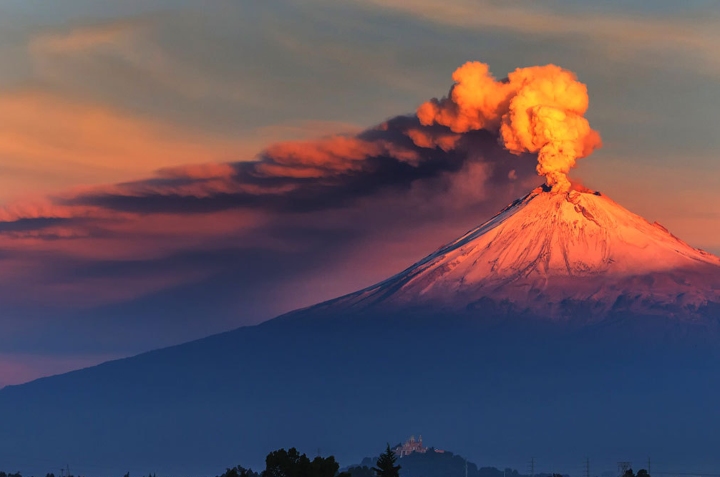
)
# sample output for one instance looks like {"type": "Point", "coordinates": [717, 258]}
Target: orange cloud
{"type": "Point", "coordinates": [538, 109]}
{"type": "Point", "coordinates": [335, 153]}
{"type": "Point", "coordinates": [198, 171]}
{"type": "Point", "coordinates": [48, 143]}
{"type": "Point", "coordinates": [427, 139]}
{"type": "Point", "coordinates": [282, 170]}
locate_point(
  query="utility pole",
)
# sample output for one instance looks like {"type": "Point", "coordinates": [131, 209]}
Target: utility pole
{"type": "Point", "coordinates": [648, 469]}
{"type": "Point", "coordinates": [587, 467]}
{"type": "Point", "coordinates": [466, 475]}
{"type": "Point", "coordinates": [532, 466]}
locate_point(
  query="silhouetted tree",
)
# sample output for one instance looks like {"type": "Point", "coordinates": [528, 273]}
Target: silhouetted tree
{"type": "Point", "coordinates": [286, 463]}
{"type": "Point", "coordinates": [291, 463]}
{"type": "Point", "coordinates": [643, 473]}
{"type": "Point", "coordinates": [629, 473]}
{"type": "Point", "coordinates": [385, 465]}
{"type": "Point", "coordinates": [239, 471]}
{"type": "Point", "coordinates": [325, 467]}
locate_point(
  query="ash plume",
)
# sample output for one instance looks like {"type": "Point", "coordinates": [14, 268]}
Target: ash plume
{"type": "Point", "coordinates": [538, 109]}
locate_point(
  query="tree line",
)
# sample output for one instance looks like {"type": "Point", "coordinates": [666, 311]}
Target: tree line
{"type": "Point", "coordinates": [290, 463]}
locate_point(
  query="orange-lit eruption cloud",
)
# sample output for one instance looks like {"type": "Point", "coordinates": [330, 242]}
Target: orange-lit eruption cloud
{"type": "Point", "coordinates": [537, 109]}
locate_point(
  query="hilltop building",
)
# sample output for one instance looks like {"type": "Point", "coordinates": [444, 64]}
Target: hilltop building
{"type": "Point", "coordinates": [412, 445]}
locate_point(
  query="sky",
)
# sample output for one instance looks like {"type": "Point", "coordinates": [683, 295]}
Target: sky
{"type": "Point", "coordinates": [173, 169]}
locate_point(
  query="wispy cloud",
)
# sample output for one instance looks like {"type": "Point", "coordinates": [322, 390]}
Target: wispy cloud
{"type": "Point", "coordinates": [122, 51]}
{"type": "Point", "coordinates": [115, 35]}
{"type": "Point", "coordinates": [620, 35]}
{"type": "Point", "coordinates": [48, 143]}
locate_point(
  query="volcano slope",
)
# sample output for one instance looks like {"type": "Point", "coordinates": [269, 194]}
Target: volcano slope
{"type": "Point", "coordinates": [565, 326]}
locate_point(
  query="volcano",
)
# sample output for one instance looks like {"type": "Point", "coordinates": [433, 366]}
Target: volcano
{"type": "Point", "coordinates": [552, 254]}
{"type": "Point", "coordinates": [564, 326]}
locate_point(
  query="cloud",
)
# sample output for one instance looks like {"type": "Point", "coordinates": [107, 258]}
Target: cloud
{"type": "Point", "coordinates": [400, 167]}
{"type": "Point", "coordinates": [539, 109]}
{"type": "Point", "coordinates": [620, 34]}
{"type": "Point", "coordinates": [298, 177]}
{"type": "Point", "coordinates": [49, 143]}
{"type": "Point", "coordinates": [56, 142]}
{"type": "Point", "coordinates": [187, 65]}
{"type": "Point", "coordinates": [107, 35]}
{"type": "Point", "coordinates": [121, 49]}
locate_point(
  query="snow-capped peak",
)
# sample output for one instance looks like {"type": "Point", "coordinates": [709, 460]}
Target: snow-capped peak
{"type": "Point", "coordinates": [548, 250]}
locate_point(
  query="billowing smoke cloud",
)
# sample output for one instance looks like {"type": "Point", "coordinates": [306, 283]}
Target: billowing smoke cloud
{"type": "Point", "coordinates": [537, 109]}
